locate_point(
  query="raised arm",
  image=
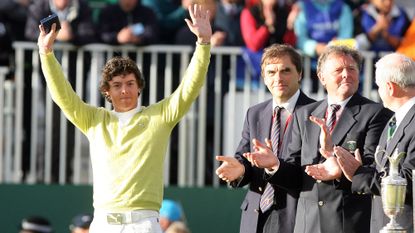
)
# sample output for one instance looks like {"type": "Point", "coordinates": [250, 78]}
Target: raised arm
{"type": "Point", "coordinates": [200, 24]}
{"type": "Point", "coordinates": [60, 89]}
{"type": "Point", "coordinates": [176, 105]}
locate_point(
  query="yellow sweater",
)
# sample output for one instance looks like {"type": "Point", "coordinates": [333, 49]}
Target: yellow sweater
{"type": "Point", "coordinates": [128, 162]}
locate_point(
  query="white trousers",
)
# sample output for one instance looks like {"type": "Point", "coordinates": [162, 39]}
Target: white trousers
{"type": "Point", "coordinates": [138, 221]}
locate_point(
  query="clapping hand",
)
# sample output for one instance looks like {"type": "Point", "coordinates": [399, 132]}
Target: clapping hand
{"type": "Point", "coordinates": [326, 143]}
{"type": "Point", "coordinates": [329, 169]}
{"type": "Point", "coordinates": [262, 156]}
{"type": "Point", "coordinates": [230, 170]}
{"type": "Point", "coordinates": [348, 162]}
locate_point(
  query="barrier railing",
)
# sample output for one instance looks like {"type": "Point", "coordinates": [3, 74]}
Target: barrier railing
{"type": "Point", "coordinates": [3, 110]}
{"type": "Point", "coordinates": [46, 148]}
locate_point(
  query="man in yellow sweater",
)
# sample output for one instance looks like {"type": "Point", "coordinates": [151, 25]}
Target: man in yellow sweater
{"type": "Point", "coordinates": [128, 144]}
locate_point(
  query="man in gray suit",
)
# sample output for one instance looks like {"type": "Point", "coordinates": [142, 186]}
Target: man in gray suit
{"type": "Point", "coordinates": [281, 69]}
{"type": "Point", "coordinates": [395, 77]}
{"type": "Point", "coordinates": [326, 204]}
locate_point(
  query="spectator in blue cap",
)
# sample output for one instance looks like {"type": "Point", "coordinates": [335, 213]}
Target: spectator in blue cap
{"type": "Point", "coordinates": [80, 223]}
{"type": "Point", "coordinates": [170, 212]}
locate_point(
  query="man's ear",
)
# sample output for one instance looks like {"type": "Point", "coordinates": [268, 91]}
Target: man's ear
{"type": "Point", "coordinates": [107, 95]}
{"type": "Point", "coordinates": [321, 78]}
{"type": "Point", "coordinates": [391, 87]}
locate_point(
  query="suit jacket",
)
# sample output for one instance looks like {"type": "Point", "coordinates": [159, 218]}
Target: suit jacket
{"type": "Point", "coordinates": [367, 179]}
{"type": "Point", "coordinates": [257, 125]}
{"type": "Point", "coordinates": [330, 206]}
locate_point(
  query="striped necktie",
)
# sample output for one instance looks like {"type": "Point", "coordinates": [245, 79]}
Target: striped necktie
{"type": "Point", "coordinates": [331, 123]}
{"type": "Point", "coordinates": [267, 198]}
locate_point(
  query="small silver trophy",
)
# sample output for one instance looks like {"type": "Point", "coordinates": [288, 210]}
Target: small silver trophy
{"type": "Point", "coordinates": [392, 191]}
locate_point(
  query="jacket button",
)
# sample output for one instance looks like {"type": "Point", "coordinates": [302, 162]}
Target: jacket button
{"type": "Point", "coordinates": [318, 181]}
{"type": "Point", "coordinates": [321, 203]}
{"type": "Point", "coordinates": [260, 189]}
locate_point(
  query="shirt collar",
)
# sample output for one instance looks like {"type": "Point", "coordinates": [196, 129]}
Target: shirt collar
{"type": "Point", "coordinates": [403, 110]}
{"type": "Point", "coordinates": [290, 104]}
{"type": "Point", "coordinates": [341, 103]}
{"type": "Point", "coordinates": [128, 113]}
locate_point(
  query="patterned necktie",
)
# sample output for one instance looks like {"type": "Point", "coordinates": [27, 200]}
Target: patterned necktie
{"type": "Point", "coordinates": [267, 197]}
{"type": "Point", "coordinates": [332, 116]}
{"type": "Point", "coordinates": [276, 130]}
{"type": "Point", "coordinates": [391, 127]}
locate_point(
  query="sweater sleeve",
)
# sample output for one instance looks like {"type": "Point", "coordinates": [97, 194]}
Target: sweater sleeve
{"type": "Point", "coordinates": [78, 112]}
{"type": "Point", "coordinates": [177, 104]}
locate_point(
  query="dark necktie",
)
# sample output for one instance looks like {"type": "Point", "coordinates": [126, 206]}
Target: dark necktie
{"type": "Point", "coordinates": [391, 127]}
{"type": "Point", "coordinates": [267, 197]}
{"type": "Point", "coordinates": [332, 116]}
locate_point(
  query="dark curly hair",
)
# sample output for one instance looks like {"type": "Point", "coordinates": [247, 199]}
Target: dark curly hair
{"type": "Point", "coordinates": [119, 66]}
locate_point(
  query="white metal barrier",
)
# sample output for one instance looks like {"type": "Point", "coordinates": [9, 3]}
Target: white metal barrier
{"type": "Point", "coordinates": [212, 126]}
{"type": "Point", "coordinates": [3, 116]}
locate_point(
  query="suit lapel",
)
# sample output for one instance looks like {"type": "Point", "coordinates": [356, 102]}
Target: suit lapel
{"type": "Point", "coordinates": [301, 101]}
{"type": "Point", "coordinates": [263, 129]}
{"type": "Point", "coordinates": [382, 146]}
{"type": "Point", "coordinates": [399, 134]}
{"type": "Point", "coordinates": [346, 121]}
{"type": "Point", "coordinates": [264, 123]}
{"type": "Point", "coordinates": [314, 129]}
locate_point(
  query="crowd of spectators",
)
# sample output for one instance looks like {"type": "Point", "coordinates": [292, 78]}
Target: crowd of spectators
{"type": "Point", "coordinates": [39, 224]}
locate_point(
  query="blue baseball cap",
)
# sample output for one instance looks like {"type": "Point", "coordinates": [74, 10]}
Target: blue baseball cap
{"type": "Point", "coordinates": [170, 210]}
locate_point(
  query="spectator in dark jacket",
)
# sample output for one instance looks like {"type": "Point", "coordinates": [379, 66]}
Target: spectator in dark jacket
{"type": "Point", "coordinates": [170, 16]}
{"type": "Point", "coordinates": [75, 17]}
{"type": "Point", "coordinates": [227, 22]}
{"type": "Point", "coordinates": [128, 22]}
{"type": "Point", "coordinates": [12, 23]}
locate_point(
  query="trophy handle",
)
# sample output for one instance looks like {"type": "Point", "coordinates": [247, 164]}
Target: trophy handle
{"type": "Point", "coordinates": [378, 153]}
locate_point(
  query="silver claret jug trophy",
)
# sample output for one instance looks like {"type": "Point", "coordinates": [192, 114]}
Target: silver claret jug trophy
{"type": "Point", "coordinates": [393, 191]}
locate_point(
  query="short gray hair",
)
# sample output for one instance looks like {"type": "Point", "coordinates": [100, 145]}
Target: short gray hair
{"type": "Point", "coordinates": [397, 68]}
{"type": "Point", "coordinates": [339, 50]}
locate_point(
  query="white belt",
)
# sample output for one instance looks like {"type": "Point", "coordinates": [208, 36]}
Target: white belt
{"type": "Point", "coordinates": [130, 217]}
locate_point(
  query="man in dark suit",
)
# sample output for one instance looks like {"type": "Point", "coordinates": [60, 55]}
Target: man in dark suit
{"type": "Point", "coordinates": [395, 77]}
{"type": "Point", "coordinates": [326, 204]}
{"type": "Point", "coordinates": [281, 69]}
